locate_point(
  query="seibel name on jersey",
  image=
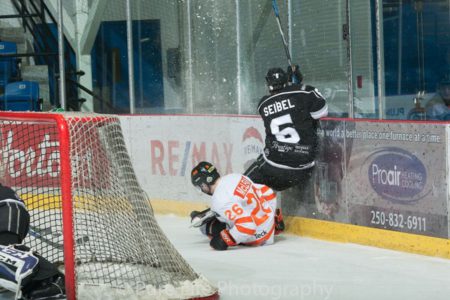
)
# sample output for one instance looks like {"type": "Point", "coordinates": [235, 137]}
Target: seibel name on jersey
{"type": "Point", "coordinates": [277, 106]}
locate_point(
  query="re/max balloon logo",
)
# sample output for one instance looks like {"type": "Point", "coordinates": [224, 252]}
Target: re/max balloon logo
{"type": "Point", "coordinates": [397, 175]}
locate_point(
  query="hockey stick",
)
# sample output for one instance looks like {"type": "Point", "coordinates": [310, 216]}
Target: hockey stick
{"type": "Point", "coordinates": [285, 44]}
{"type": "Point", "coordinates": [40, 233]}
{"type": "Point", "coordinates": [262, 20]}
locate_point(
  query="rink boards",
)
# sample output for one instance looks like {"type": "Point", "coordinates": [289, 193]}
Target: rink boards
{"type": "Point", "coordinates": [376, 183]}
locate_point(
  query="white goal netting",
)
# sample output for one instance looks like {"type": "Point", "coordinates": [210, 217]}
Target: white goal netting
{"type": "Point", "coordinates": [74, 169]}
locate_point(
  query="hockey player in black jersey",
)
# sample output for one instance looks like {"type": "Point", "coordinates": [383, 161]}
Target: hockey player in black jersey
{"type": "Point", "coordinates": [27, 274]}
{"type": "Point", "coordinates": [290, 114]}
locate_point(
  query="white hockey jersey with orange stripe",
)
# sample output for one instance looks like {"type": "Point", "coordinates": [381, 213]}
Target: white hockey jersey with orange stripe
{"type": "Point", "coordinates": [248, 209]}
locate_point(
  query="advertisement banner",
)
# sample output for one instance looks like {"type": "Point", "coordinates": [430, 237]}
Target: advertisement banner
{"type": "Point", "coordinates": [322, 195]}
{"type": "Point", "coordinates": [29, 155]}
{"type": "Point", "coordinates": [396, 178]}
{"type": "Point", "coordinates": [331, 165]}
{"type": "Point", "coordinates": [164, 150]}
{"type": "Point", "coordinates": [377, 174]}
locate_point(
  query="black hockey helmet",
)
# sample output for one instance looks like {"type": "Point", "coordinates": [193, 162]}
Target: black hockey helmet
{"type": "Point", "coordinates": [204, 173]}
{"type": "Point", "coordinates": [276, 79]}
{"type": "Point", "coordinates": [8, 193]}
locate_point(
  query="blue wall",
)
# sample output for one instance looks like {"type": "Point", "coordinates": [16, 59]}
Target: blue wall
{"type": "Point", "coordinates": [110, 63]}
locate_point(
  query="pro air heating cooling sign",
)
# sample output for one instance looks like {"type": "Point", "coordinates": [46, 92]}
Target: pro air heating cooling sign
{"type": "Point", "coordinates": [393, 173]}
{"type": "Point", "coordinates": [397, 175]}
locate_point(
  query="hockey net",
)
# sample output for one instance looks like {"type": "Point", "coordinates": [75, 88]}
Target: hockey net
{"type": "Point", "coordinates": [88, 212]}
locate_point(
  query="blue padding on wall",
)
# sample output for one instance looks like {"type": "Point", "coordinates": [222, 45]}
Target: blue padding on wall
{"type": "Point", "coordinates": [5, 72]}
{"type": "Point", "coordinates": [8, 65]}
{"type": "Point", "coordinates": [8, 48]}
{"type": "Point", "coordinates": [21, 96]}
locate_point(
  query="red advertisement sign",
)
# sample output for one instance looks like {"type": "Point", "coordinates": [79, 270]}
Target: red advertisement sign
{"type": "Point", "coordinates": [29, 155]}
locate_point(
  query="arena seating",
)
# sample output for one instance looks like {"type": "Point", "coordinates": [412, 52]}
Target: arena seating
{"type": "Point", "coordinates": [8, 65]}
{"type": "Point", "coordinates": [21, 96]}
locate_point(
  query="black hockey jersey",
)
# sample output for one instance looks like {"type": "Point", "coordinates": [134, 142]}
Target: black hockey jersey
{"type": "Point", "coordinates": [291, 119]}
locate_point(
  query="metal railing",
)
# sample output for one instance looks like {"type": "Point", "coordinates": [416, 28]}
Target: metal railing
{"type": "Point", "coordinates": [35, 17]}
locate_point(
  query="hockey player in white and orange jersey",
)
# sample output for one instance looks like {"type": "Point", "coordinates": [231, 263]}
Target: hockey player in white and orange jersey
{"type": "Point", "coordinates": [241, 213]}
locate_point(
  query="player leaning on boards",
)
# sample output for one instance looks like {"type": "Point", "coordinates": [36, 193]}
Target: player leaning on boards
{"type": "Point", "coordinates": [291, 116]}
{"type": "Point", "coordinates": [22, 271]}
{"type": "Point", "coordinates": [241, 213]}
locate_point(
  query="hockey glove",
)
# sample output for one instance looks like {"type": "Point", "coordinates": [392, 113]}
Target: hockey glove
{"type": "Point", "coordinates": [294, 74]}
{"type": "Point", "coordinates": [199, 218]}
{"type": "Point", "coordinates": [214, 227]}
{"type": "Point", "coordinates": [222, 241]}
{"type": "Point", "coordinates": [279, 223]}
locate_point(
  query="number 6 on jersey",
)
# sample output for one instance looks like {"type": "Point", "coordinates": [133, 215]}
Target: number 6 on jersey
{"type": "Point", "coordinates": [287, 134]}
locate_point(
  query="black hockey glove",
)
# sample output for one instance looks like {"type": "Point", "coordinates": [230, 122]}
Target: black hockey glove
{"type": "Point", "coordinates": [279, 223]}
{"type": "Point", "coordinates": [214, 227]}
{"type": "Point", "coordinates": [294, 74]}
{"type": "Point", "coordinates": [222, 241]}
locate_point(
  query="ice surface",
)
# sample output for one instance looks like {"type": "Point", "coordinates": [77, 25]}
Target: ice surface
{"type": "Point", "coordinates": [303, 268]}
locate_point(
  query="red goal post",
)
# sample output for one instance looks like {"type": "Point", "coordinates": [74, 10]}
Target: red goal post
{"type": "Point", "coordinates": [88, 212]}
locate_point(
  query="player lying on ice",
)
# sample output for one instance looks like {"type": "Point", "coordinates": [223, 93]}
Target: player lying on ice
{"type": "Point", "coordinates": [22, 271]}
{"type": "Point", "coordinates": [241, 213]}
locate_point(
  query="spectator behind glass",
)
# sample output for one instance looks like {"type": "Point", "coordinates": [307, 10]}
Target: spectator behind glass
{"type": "Point", "coordinates": [437, 107]}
